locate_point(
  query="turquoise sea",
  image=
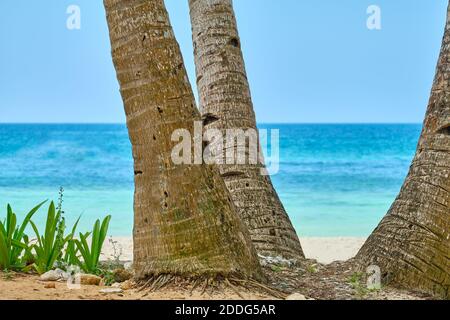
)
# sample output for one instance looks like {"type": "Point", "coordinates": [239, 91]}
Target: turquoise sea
{"type": "Point", "coordinates": [334, 180]}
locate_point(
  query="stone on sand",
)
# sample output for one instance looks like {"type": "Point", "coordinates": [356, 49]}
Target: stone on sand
{"type": "Point", "coordinates": [122, 275]}
{"type": "Point", "coordinates": [127, 285]}
{"type": "Point", "coordinates": [54, 275]}
{"type": "Point", "coordinates": [111, 291]}
{"type": "Point", "coordinates": [90, 280]}
{"type": "Point", "coordinates": [296, 296]}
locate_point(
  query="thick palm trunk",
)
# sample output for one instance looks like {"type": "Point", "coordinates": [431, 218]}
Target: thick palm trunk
{"type": "Point", "coordinates": [185, 223]}
{"type": "Point", "coordinates": [412, 243]}
{"type": "Point", "coordinates": [226, 103]}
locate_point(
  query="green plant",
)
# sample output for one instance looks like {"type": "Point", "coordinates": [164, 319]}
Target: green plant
{"type": "Point", "coordinates": [356, 278]}
{"type": "Point", "coordinates": [49, 247]}
{"type": "Point", "coordinates": [91, 255]}
{"type": "Point", "coordinates": [361, 290]}
{"type": "Point", "coordinates": [311, 268]}
{"type": "Point", "coordinates": [117, 251]}
{"type": "Point", "coordinates": [11, 239]}
{"type": "Point", "coordinates": [71, 255]}
{"type": "Point", "coordinates": [107, 276]}
{"type": "Point", "coordinates": [61, 225]}
{"type": "Point", "coordinates": [276, 268]}
{"type": "Point", "coordinates": [8, 275]}
{"type": "Point", "coordinates": [28, 256]}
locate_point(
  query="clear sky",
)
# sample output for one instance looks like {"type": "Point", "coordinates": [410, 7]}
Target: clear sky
{"type": "Point", "coordinates": [307, 60]}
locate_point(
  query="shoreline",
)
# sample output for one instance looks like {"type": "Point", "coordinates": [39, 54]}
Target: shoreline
{"type": "Point", "coordinates": [323, 249]}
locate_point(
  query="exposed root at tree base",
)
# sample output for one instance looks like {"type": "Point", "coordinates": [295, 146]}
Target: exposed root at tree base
{"type": "Point", "coordinates": [207, 285]}
{"type": "Point", "coordinates": [335, 281]}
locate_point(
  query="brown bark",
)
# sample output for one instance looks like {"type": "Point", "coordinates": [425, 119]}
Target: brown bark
{"type": "Point", "coordinates": [185, 224]}
{"type": "Point", "coordinates": [411, 245]}
{"type": "Point", "coordinates": [225, 103]}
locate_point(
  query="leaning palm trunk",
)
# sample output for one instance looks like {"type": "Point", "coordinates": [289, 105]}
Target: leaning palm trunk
{"type": "Point", "coordinates": [412, 243]}
{"type": "Point", "coordinates": [185, 224]}
{"type": "Point", "coordinates": [226, 103]}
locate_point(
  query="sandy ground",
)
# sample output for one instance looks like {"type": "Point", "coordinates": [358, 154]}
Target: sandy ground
{"type": "Point", "coordinates": [328, 250]}
{"type": "Point", "coordinates": [324, 250]}
{"type": "Point", "coordinates": [15, 286]}
{"type": "Point", "coordinates": [329, 279]}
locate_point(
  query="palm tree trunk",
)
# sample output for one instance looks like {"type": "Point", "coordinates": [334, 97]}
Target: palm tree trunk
{"type": "Point", "coordinates": [411, 245]}
{"type": "Point", "coordinates": [185, 224]}
{"type": "Point", "coordinates": [226, 103]}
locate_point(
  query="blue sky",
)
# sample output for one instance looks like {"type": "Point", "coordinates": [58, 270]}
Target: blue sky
{"type": "Point", "coordinates": [307, 60]}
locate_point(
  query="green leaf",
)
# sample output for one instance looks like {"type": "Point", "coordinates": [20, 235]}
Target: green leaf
{"type": "Point", "coordinates": [36, 231]}
{"type": "Point", "coordinates": [28, 219]}
{"type": "Point", "coordinates": [4, 256]}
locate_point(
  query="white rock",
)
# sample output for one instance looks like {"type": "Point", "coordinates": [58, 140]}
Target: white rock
{"type": "Point", "coordinates": [90, 279]}
{"type": "Point", "coordinates": [54, 275]}
{"type": "Point", "coordinates": [296, 296]}
{"type": "Point", "coordinates": [127, 285]}
{"type": "Point", "coordinates": [115, 285]}
{"type": "Point", "coordinates": [267, 260]}
{"type": "Point", "coordinates": [111, 290]}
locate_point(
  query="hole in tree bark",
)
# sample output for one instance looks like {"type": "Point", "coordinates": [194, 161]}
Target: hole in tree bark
{"type": "Point", "coordinates": [199, 78]}
{"type": "Point", "coordinates": [159, 110]}
{"type": "Point", "coordinates": [166, 194]}
{"type": "Point", "coordinates": [177, 69]}
{"type": "Point", "coordinates": [444, 130]}
{"type": "Point", "coordinates": [232, 174]}
{"type": "Point", "coordinates": [209, 118]}
{"type": "Point", "coordinates": [234, 42]}
{"type": "Point", "coordinates": [137, 173]}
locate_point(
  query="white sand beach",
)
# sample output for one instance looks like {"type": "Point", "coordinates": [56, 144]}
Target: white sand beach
{"type": "Point", "coordinates": [324, 250]}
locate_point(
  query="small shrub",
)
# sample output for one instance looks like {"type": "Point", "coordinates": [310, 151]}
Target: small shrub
{"type": "Point", "coordinates": [113, 262]}
{"type": "Point", "coordinates": [12, 238]}
{"type": "Point", "coordinates": [361, 290]}
{"type": "Point", "coordinates": [276, 268]}
{"type": "Point", "coordinates": [52, 248]}
{"type": "Point", "coordinates": [311, 268]}
{"type": "Point", "coordinates": [91, 255]}
{"type": "Point", "coordinates": [49, 247]}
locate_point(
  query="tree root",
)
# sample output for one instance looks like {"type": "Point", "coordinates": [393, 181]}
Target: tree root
{"type": "Point", "coordinates": [207, 285]}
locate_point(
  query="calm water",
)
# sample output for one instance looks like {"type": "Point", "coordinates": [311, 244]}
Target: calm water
{"type": "Point", "coordinates": [335, 180]}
